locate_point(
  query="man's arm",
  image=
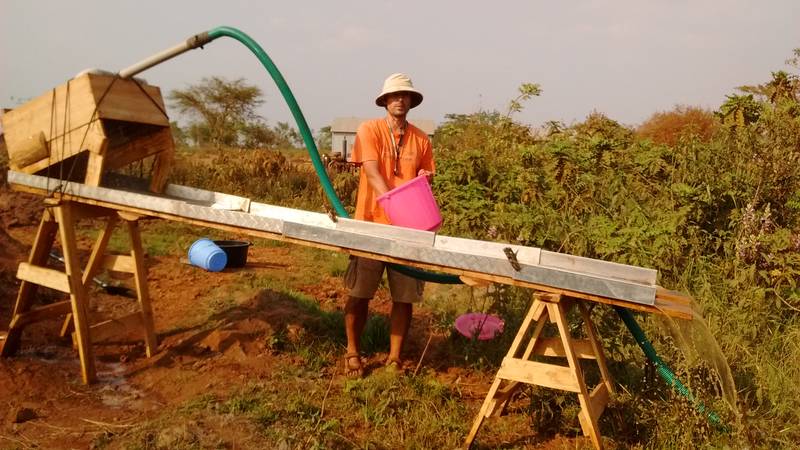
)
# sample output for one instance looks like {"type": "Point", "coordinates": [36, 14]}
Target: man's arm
{"type": "Point", "coordinates": [374, 177]}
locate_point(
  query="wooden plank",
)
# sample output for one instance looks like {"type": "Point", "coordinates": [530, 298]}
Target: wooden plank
{"type": "Point", "coordinates": [66, 329]}
{"type": "Point", "coordinates": [95, 165]}
{"type": "Point", "coordinates": [70, 144]}
{"type": "Point", "coordinates": [116, 327]}
{"type": "Point", "coordinates": [29, 151]}
{"type": "Point", "coordinates": [42, 244]}
{"type": "Point", "coordinates": [43, 276]}
{"type": "Point", "coordinates": [589, 425]}
{"type": "Point", "coordinates": [48, 113]}
{"type": "Point", "coordinates": [541, 319]}
{"type": "Point", "coordinates": [554, 347]}
{"type": "Point", "coordinates": [539, 374]}
{"type": "Point", "coordinates": [90, 212]}
{"type": "Point", "coordinates": [118, 263]}
{"type": "Point", "coordinates": [125, 100]}
{"type": "Point", "coordinates": [38, 314]}
{"type": "Point", "coordinates": [599, 399]}
{"type": "Point", "coordinates": [484, 412]}
{"type": "Point", "coordinates": [120, 155]}
{"type": "Point", "coordinates": [676, 297]}
{"type": "Point", "coordinates": [597, 346]}
{"type": "Point", "coordinates": [533, 314]}
{"type": "Point", "coordinates": [98, 249]}
{"type": "Point", "coordinates": [80, 316]}
{"type": "Point", "coordinates": [473, 282]}
{"type": "Point", "coordinates": [140, 281]}
{"type": "Point", "coordinates": [163, 164]}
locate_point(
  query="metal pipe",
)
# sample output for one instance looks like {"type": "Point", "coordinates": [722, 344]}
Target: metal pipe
{"type": "Point", "coordinates": [198, 40]}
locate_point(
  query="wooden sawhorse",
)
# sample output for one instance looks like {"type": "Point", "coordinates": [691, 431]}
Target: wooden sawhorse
{"type": "Point", "coordinates": [60, 217]}
{"type": "Point", "coordinates": [517, 369]}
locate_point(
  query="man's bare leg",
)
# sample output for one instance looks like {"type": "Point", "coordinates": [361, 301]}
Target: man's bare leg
{"type": "Point", "coordinates": [355, 318]}
{"type": "Point", "coordinates": [400, 323]}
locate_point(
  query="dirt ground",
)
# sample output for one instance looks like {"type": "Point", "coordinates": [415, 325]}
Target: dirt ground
{"type": "Point", "coordinates": [47, 406]}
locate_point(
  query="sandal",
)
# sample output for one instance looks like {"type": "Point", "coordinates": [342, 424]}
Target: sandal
{"type": "Point", "coordinates": [394, 365]}
{"type": "Point", "coordinates": [353, 367]}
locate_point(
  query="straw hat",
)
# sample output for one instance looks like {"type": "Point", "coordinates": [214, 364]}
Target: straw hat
{"type": "Point", "coordinates": [399, 82]}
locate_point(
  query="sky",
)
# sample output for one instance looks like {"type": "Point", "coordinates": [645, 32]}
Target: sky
{"type": "Point", "coordinates": [627, 59]}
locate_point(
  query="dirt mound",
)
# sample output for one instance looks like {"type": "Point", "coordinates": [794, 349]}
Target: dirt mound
{"type": "Point", "coordinates": [18, 209]}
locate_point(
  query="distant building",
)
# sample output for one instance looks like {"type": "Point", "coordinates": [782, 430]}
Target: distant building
{"type": "Point", "coordinates": [343, 133]}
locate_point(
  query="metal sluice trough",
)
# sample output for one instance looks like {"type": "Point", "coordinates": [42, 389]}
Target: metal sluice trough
{"type": "Point", "coordinates": [487, 260]}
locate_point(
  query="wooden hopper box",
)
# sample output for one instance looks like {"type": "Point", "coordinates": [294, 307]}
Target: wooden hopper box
{"type": "Point", "coordinates": [88, 125]}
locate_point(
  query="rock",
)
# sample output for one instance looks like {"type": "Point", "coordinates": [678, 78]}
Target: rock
{"type": "Point", "coordinates": [220, 340]}
{"type": "Point", "coordinates": [175, 436]}
{"type": "Point", "coordinates": [22, 414]}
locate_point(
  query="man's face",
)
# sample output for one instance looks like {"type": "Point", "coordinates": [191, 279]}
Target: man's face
{"type": "Point", "coordinates": [398, 103]}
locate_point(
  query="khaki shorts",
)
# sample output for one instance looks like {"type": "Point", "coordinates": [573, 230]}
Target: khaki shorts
{"type": "Point", "coordinates": [364, 275]}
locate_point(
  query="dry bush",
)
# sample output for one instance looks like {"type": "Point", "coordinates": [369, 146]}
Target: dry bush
{"type": "Point", "coordinates": [668, 127]}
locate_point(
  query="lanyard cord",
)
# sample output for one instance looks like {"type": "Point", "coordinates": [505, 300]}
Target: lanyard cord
{"type": "Point", "coordinates": [397, 146]}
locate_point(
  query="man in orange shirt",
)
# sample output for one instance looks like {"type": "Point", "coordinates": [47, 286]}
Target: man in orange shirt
{"type": "Point", "coordinates": [391, 152]}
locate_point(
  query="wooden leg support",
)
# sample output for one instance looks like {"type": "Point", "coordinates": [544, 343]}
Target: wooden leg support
{"type": "Point", "coordinates": [519, 368]}
{"type": "Point", "coordinates": [61, 219]}
{"type": "Point", "coordinates": [40, 251]}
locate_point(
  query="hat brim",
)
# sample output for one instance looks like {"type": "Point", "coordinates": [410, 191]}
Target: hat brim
{"type": "Point", "coordinates": [416, 98]}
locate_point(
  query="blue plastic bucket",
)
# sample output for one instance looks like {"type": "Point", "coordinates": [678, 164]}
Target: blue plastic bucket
{"type": "Point", "coordinates": [208, 255]}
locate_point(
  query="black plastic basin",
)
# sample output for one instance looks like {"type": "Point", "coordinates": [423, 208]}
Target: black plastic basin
{"type": "Point", "coordinates": [236, 251]}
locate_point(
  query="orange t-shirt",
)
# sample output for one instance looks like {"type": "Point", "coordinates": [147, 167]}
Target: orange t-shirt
{"type": "Point", "coordinates": [373, 143]}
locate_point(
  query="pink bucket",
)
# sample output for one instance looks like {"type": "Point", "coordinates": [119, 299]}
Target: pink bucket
{"type": "Point", "coordinates": [412, 205]}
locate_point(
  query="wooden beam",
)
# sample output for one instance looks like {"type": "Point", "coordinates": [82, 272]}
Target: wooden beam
{"type": "Point", "coordinates": [599, 399]}
{"type": "Point", "coordinates": [554, 347]}
{"type": "Point", "coordinates": [125, 100]}
{"type": "Point", "coordinates": [43, 276]}
{"type": "Point", "coordinates": [70, 144]}
{"type": "Point", "coordinates": [540, 374]}
{"type": "Point", "coordinates": [140, 281]}
{"type": "Point", "coordinates": [98, 249]}
{"type": "Point", "coordinates": [42, 244]}
{"type": "Point", "coordinates": [118, 263]}
{"type": "Point", "coordinates": [116, 327]}
{"type": "Point", "coordinates": [39, 314]}
{"type": "Point", "coordinates": [80, 316]}
{"type": "Point", "coordinates": [137, 149]}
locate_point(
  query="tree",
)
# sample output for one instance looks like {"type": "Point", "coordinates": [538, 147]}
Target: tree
{"type": "Point", "coordinates": [178, 134]}
{"type": "Point", "coordinates": [783, 86]}
{"type": "Point", "coordinates": [257, 134]}
{"type": "Point", "coordinates": [222, 107]}
{"type": "Point", "coordinates": [286, 136]}
{"type": "Point", "coordinates": [739, 110]}
{"type": "Point", "coordinates": [324, 139]}
{"type": "Point", "coordinates": [526, 91]}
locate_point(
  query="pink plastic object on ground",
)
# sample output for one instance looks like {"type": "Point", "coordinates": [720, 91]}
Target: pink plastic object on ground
{"type": "Point", "coordinates": [487, 325]}
{"type": "Point", "coordinates": [412, 205]}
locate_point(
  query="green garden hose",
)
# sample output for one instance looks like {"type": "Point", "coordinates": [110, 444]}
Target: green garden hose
{"type": "Point", "coordinates": [203, 38]}
{"type": "Point", "coordinates": [663, 370]}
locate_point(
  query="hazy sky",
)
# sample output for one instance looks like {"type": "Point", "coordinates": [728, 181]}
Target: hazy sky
{"type": "Point", "coordinates": [627, 58]}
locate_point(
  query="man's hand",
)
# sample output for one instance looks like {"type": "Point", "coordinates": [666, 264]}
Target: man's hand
{"type": "Point", "coordinates": [374, 177]}
{"type": "Point", "coordinates": [427, 173]}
